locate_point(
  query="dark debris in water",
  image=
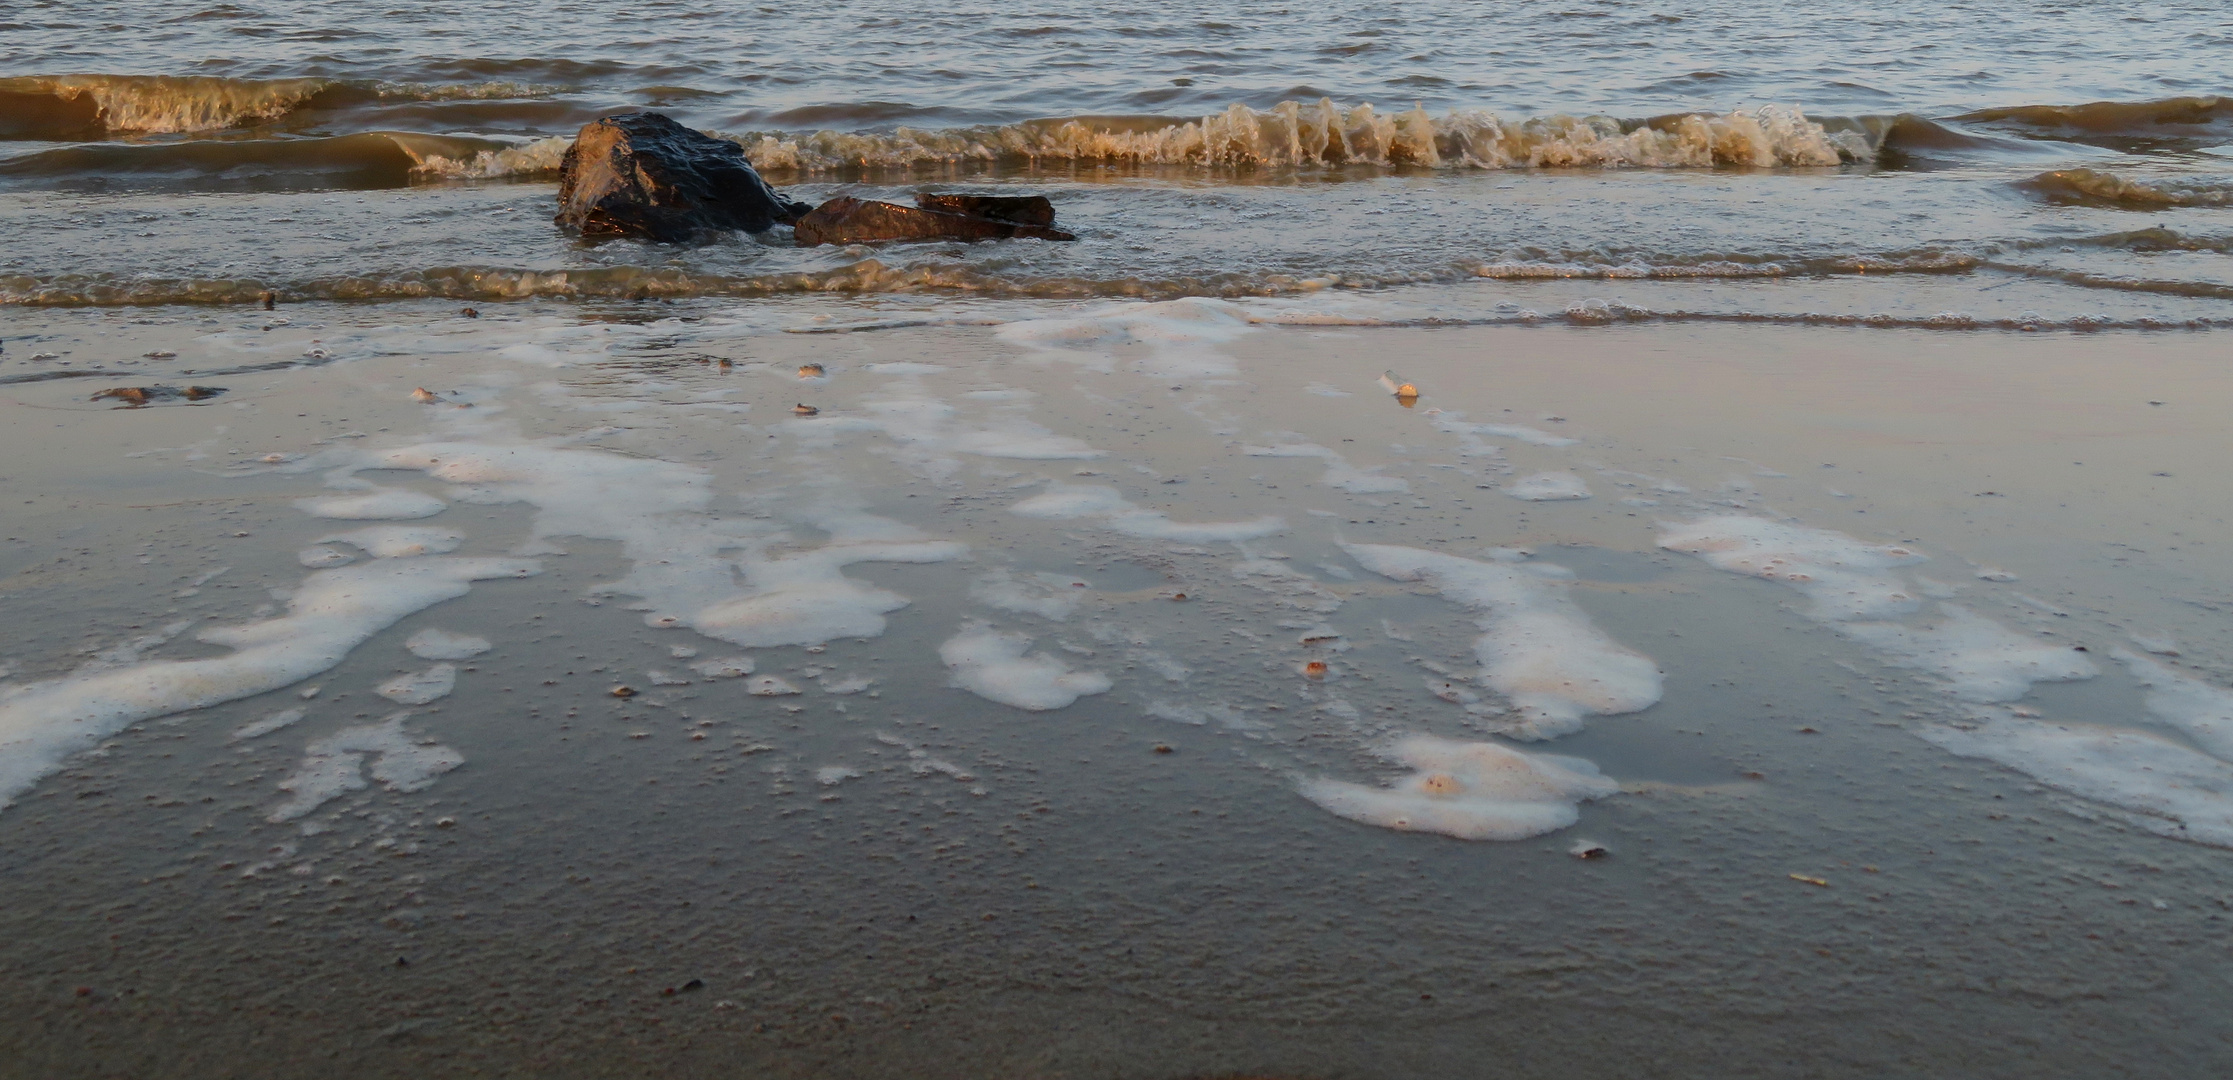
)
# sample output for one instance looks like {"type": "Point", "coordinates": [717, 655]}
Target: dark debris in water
{"type": "Point", "coordinates": [135, 397]}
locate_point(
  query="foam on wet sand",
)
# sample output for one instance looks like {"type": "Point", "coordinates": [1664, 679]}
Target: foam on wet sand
{"type": "Point", "coordinates": [332, 612]}
{"type": "Point", "coordinates": [1070, 502]}
{"type": "Point", "coordinates": [1469, 790]}
{"type": "Point", "coordinates": [334, 765]}
{"type": "Point", "coordinates": [999, 667]}
{"type": "Point", "coordinates": [1537, 647]}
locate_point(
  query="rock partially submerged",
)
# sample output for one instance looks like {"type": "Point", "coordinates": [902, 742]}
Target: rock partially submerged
{"type": "Point", "coordinates": [848, 220]}
{"type": "Point", "coordinates": [642, 174]}
{"type": "Point", "coordinates": [1020, 209]}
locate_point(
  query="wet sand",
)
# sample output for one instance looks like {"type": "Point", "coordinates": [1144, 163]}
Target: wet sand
{"type": "Point", "coordinates": [1131, 884]}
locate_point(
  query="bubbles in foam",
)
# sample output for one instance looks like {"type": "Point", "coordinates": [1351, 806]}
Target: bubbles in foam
{"type": "Point", "coordinates": [771, 686]}
{"type": "Point", "coordinates": [1067, 502]}
{"type": "Point", "coordinates": [1548, 487]}
{"type": "Point", "coordinates": [2167, 789]}
{"type": "Point", "coordinates": [334, 766]}
{"type": "Point", "coordinates": [1981, 660]}
{"type": "Point", "coordinates": [727, 667]}
{"type": "Point", "coordinates": [2204, 712]}
{"type": "Point", "coordinates": [1049, 596]}
{"type": "Point", "coordinates": [1846, 578]}
{"type": "Point", "coordinates": [377, 503]}
{"type": "Point", "coordinates": [1537, 648]}
{"type": "Point", "coordinates": [432, 644]}
{"type": "Point", "coordinates": [1472, 791]}
{"type": "Point", "coordinates": [678, 552]}
{"type": "Point", "coordinates": [398, 541]}
{"type": "Point", "coordinates": [320, 557]}
{"type": "Point", "coordinates": [332, 612]}
{"type": "Point", "coordinates": [259, 728]}
{"type": "Point", "coordinates": [422, 687]}
{"type": "Point", "coordinates": [994, 666]}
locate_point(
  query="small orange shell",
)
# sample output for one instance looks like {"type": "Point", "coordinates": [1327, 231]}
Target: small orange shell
{"type": "Point", "coordinates": [1315, 669]}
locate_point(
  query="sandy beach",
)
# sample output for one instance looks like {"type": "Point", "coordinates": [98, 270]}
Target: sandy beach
{"type": "Point", "coordinates": [971, 724]}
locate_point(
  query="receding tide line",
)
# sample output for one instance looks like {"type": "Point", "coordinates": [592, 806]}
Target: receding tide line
{"type": "Point", "coordinates": [334, 611]}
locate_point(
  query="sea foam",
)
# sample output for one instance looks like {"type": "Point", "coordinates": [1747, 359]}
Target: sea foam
{"type": "Point", "coordinates": [331, 613]}
{"type": "Point", "coordinates": [1537, 647]}
{"type": "Point", "coordinates": [1469, 790]}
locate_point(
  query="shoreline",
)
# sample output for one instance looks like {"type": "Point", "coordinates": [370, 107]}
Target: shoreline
{"type": "Point", "coordinates": [1096, 885]}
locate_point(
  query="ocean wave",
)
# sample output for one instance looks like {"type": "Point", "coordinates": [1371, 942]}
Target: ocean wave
{"type": "Point", "coordinates": [2099, 187]}
{"type": "Point", "coordinates": [372, 159]}
{"type": "Point", "coordinates": [66, 106]}
{"type": "Point", "coordinates": [1540, 266]}
{"type": "Point", "coordinates": [1296, 133]}
{"type": "Point", "coordinates": [2208, 118]}
{"type": "Point", "coordinates": [489, 284]}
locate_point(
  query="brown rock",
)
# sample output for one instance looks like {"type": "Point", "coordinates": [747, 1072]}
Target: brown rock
{"type": "Point", "coordinates": [642, 174]}
{"type": "Point", "coordinates": [859, 221]}
{"type": "Point", "coordinates": [1021, 209]}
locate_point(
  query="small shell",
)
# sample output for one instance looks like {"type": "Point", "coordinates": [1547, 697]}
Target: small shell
{"type": "Point", "coordinates": [424, 396]}
{"type": "Point", "coordinates": [811, 371]}
{"type": "Point", "coordinates": [805, 410]}
{"type": "Point", "coordinates": [624, 691]}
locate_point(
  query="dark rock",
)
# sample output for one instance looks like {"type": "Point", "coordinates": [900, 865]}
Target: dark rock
{"type": "Point", "coordinates": [859, 221]}
{"type": "Point", "coordinates": [641, 174]}
{"type": "Point", "coordinates": [1021, 209]}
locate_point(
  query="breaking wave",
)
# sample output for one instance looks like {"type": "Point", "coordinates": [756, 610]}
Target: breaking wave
{"type": "Point", "coordinates": [1295, 133]}
{"type": "Point", "coordinates": [74, 106]}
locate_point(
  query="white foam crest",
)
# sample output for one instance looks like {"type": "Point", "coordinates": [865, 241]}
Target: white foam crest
{"type": "Point", "coordinates": [398, 541]}
{"type": "Point", "coordinates": [680, 568]}
{"type": "Point", "coordinates": [1469, 790]}
{"type": "Point", "coordinates": [376, 503]}
{"type": "Point", "coordinates": [2204, 712]}
{"type": "Point", "coordinates": [332, 612]}
{"type": "Point", "coordinates": [2169, 789]}
{"type": "Point", "coordinates": [1066, 502]}
{"type": "Point", "coordinates": [1340, 473]}
{"type": "Point", "coordinates": [166, 104]}
{"type": "Point", "coordinates": [1296, 133]}
{"type": "Point", "coordinates": [540, 156]}
{"type": "Point", "coordinates": [994, 666]}
{"type": "Point", "coordinates": [334, 766]}
{"type": "Point", "coordinates": [1049, 596]}
{"type": "Point", "coordinates": [432, 644]}
{"type": "Point", "coordinates": [1537, 647]}
{"type": "Point", "coordinates": [1844, 577]}
{"type": "Point", "coordinates": [1981, 660]}
{"type": "Point", "coordinates": [1548, 487]}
